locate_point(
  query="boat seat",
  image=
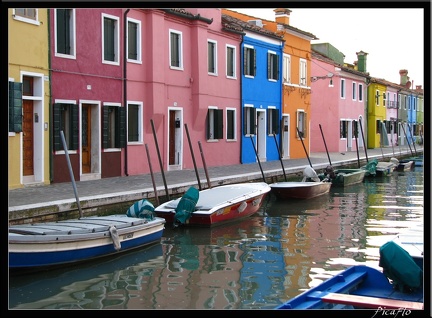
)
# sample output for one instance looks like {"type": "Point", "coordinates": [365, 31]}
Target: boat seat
{"type": "Point", "coordinates": [370, 302]}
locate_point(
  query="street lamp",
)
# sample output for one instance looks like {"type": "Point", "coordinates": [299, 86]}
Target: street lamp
{"type": "Point", "coordinates": [315, 78]}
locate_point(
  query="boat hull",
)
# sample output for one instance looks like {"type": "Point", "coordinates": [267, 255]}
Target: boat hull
{"type": "Point", "coordinates": [384, 169]}
{"type": "Point", "coordinates": [64, 242]}
{"type": "Point", "coordinates": [359, 280]}
{"type": "Point", "coordinates": [347, 177]}
{"type": "Point", "coordinates": [220, 205]}
{"type": "Point", "coordinates": [299, 190]}
{"type": "Point", "coordinates": [405, 165]}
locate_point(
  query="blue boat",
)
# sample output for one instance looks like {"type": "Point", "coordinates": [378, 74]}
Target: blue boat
{"type": "Point", "coordinates": [398, 285]}
{"type": "Point", "coordinates": [357, 287]}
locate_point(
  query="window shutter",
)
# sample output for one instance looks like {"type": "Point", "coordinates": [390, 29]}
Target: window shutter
{"type": "Point", "coordinates": [254, 62]}
{"type": "Point", "coordinates": [253, 120]}
{"type": "Point", "coordinates": [275, 121]}
{"type": "Point", "coordinates": [269, 57]}
{"type": "Point", "coordinates": [218, 123]}
{"type": "Point", "coordinates": [244, 121]}
{"type": "Point", "coordinates": [208, 124]}
{"type": "Point", "coordinates": [15, 107]}
{"type": "Point", "coordinates": [277, 71]}
{"type": "Point", "coordinates": [74, 127]}
{"type": "Point", "coordinates": [121, 126]}
{"type": "Point", "coordinates": [105, 127]}
{"type": "Point", "coordinates": [245, 60]}
{"type": "Point", "coordinates": [56, 127]}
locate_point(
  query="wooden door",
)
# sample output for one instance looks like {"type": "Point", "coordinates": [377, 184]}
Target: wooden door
{"type": "Point", "coordinates": [28, 144]}
{"type": "Point", "coordinates": [86, 139]}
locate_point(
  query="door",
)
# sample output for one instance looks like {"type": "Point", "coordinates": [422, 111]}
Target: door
{"type": "Point", "coordinates": [285, 136]}
{"type": "Point", "coordinates": [261, 135]}
{"type": "Point", "coordinates": [86, 138]}
{"type": "Point", "coordinates": [175, 139]}
{"type": "Point", "coordinates": [28, 151]}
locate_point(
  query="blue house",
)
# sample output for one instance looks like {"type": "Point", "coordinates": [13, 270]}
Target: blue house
{"type": "Point", "coordinates": [261, 91]}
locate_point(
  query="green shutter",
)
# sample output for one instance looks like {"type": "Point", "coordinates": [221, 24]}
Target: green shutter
{"type": "Point", "coordinates": [15, 107]}
{"type": "Point", "coordinates": [269, 57]}
{"type": "Point", "coordinates": [218, 123]}
{"type": "Point", "coordinates": [245, 59]}
{"type": "Point", "coordinates": [57, 126]}
{"type": "Point", "coordinates": [74, 127]}
{"type": "Point", "coordinates": [120, 141]}
{"type": "Point", "coordinates": [208, 124]}
{"type": "Point", "coordinates": [254, 62]}
{"type": "Point", "coordinates": [105, 111]}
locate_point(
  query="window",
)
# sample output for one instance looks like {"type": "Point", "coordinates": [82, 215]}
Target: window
{"type": "Point", "coordinates": [384, 99]}
{"type": "Point", "coordinates": [272, 66]}
{"type": "Point", "coordinates": [26, 13]}
{"type": "Point", "coordinates": [214, 124]}
{"type": "Point", "coordinates": [354, 91]}
{"type": "Point", "coordinates": [249, 67]}
{"type": "Point", "coordinates": [212, 59]}
{"type": "Point", "coordinates": [342, 88]}
{"type": "Point", "coordinates": [414, 103]}
{"type": "Point", "coordinates": [15, 106]}
{"type": "Point", "coordinates": [114, 127]}
{"type": "Point", "coordinates": [231, 123]}
{"type": "Point", "coordinates": [343, 129]}
{"type": "Point", "coordinates": [286, 68]}
{"type": "Point", "coordinates": [355, 129]}
{"type": "Point", "coordinates": [377, 96]}
{"type": "Point", "coordinates": [378, 126]}
{"type": "Point", "coordinates": [301, 124]}
{"type": "Point", "coordinates": [65, 32]}
{"type": "Point", "coordinates": [409, 102]}
{"type": "Point", "coordinates": [272, 121]}
{"type": "Point", "coordinates": [249, 120]}
{"type": "Point", "coordinates": [405, 102]}
{"type": "Point", "coordinates": [303, 72]}
{"type": "Point", "coordinates": [231, 61]}
{"type": "Point", "coordinates": [134, 40]}
{"type": "Point", "coordinates": [399, 101]}
{"type": "Point", "coordinates": [134, 122]}
{"type": "Point", "coordinates": [360, 92]}
{"type": "Point", "coordinates": [110, 40]}
{"type": "Point", "coordinates": [176, 57]}
{"type": "Point", "coordinates": [65, 118]}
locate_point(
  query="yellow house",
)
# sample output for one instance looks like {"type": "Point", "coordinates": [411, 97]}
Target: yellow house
{"type": "Point", "coordinates": [376, 113]}
{"type": "Point", "coordinates": [29, 97]}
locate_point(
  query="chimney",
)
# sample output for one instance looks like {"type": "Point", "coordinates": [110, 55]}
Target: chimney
{"type": "Point", "coordinates": [404, 78]}
{"type": "Point", "coordinates": [361, 61]}
{"type": "Point", "coordinates": [282, 15]}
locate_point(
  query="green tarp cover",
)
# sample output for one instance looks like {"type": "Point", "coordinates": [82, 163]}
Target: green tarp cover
{"type": "Point", "coordinates": [186, 206]}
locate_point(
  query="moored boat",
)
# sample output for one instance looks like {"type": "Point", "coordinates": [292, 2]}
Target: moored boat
{"type": "Point", "coordinates": [403, 165]}
{"type": "Point", "coordinates": [311, 186]}
{"type": "Point", "coordinates": [40, 245]}
{"type": "Point", "coordinates": [216, 205]}
{"type": "Point", "coordinates": [343, 177]}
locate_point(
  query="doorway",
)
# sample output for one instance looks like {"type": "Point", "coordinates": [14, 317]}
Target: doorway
{"type": "Point", "coordinates": [175, 139]}
{"type": "Point", "coordinates": [261, 134]}
{"type": "Point", "coordinates": [90, 142]}
{"type": "Point", "coordinates": [285, 137]}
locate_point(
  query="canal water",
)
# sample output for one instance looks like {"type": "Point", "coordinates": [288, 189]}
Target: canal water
{"type": "Point", "coordinates": [258, 263]}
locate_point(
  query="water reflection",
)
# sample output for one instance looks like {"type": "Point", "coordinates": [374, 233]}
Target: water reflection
{"type": "Point", "coordinates": [257, 263]}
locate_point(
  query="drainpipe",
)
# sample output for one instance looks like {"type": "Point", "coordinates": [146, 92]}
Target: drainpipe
{"type": "Point", "coordinates": [125, 81]}
{"type": "Point", "coordinates": [241, 101]}
{"type": "Point", "coordinates": [50, 120]}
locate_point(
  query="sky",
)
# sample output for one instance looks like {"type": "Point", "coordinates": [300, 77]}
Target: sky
{"type": "Point", "coordinates": [393, 38]}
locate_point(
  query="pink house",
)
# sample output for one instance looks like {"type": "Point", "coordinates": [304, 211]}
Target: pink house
{"type": "Point", "coordinates": [183, 88]}
{"type": "Point", "coordinates": [337, 102]}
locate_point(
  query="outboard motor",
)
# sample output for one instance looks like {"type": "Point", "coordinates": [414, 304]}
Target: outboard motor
{"type": "Point", "coordinates": [309, 174]}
